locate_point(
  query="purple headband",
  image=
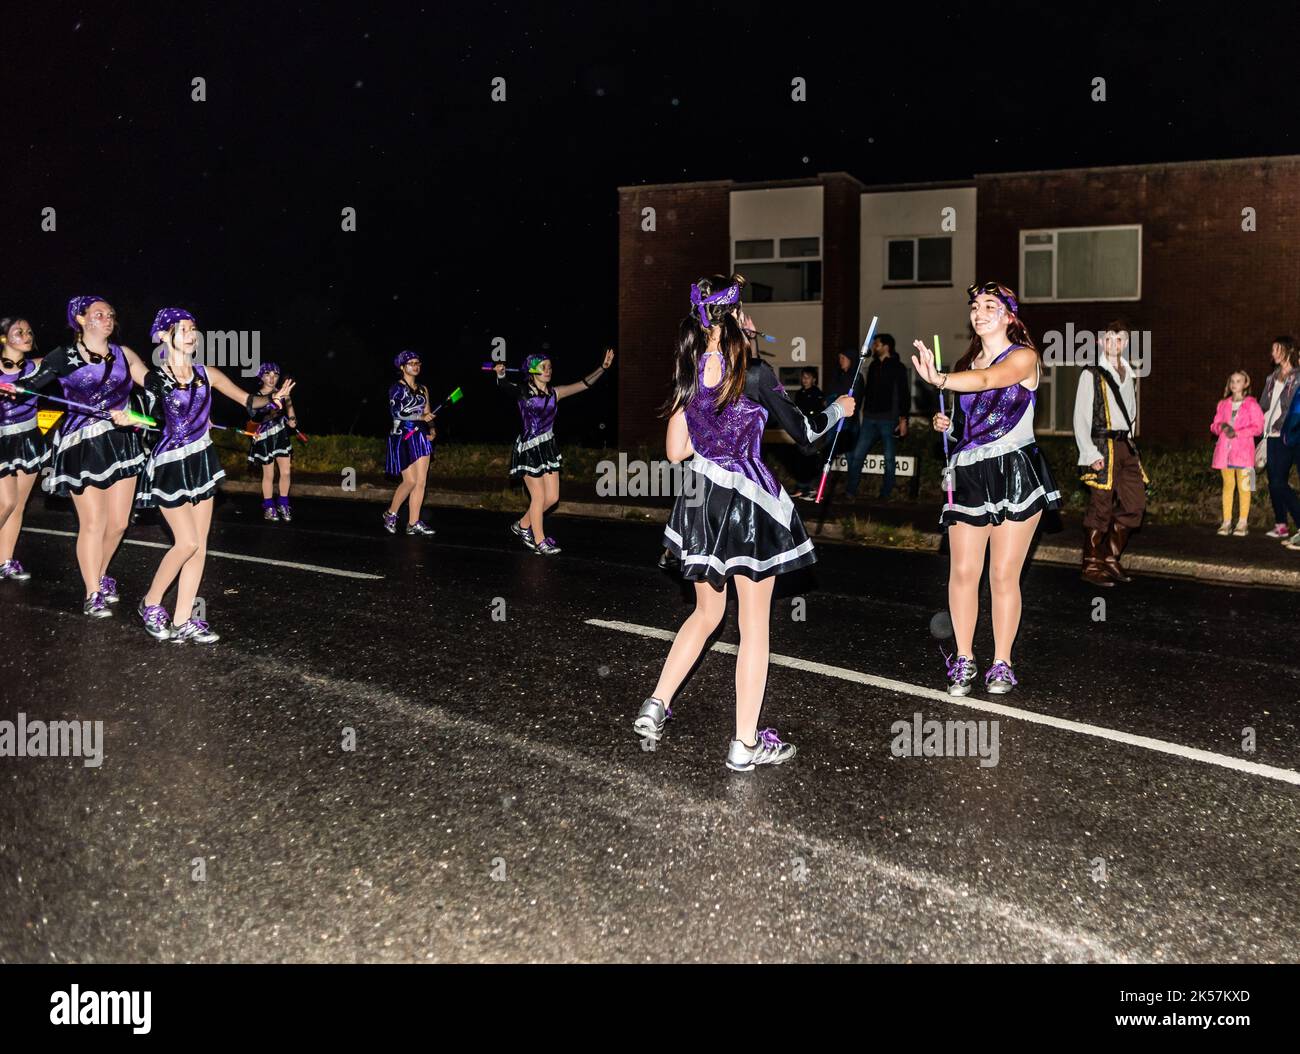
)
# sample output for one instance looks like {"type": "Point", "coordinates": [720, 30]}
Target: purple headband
{"type": "Point", "coordinates": [993, 289]}
{"type": "Point", "coordinates": [730, 295]}
{"type": "Point", "coordinates": [166, 318]}
{"type": "Point", "coordinates": [403, 357]}
{"type": "Point", "coordinates": [78, 305]}
{"type": "Point", "coordinates": [268, 367]}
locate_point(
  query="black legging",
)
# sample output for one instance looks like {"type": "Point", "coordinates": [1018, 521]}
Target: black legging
{"type": "Point", "coordinates": [1280, 460]}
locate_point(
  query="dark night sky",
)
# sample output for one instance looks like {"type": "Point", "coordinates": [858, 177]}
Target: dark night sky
{"type": "Point", "coordinates": [478, 219]}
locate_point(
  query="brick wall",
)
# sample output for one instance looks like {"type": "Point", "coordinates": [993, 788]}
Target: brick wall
{"type": "Point", "coordinates": [1213, 295]}
{"type": "Point", "coordinates": [655, 272]}
{"type": "Point", "coordinates": [841, 277]}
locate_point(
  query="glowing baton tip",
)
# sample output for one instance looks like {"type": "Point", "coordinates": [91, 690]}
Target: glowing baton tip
{"type": "Point", "coordinates": [938, 363]}
{"type": "Point", "coordinates": [141, 419]}
{"type": "Point", "coordinates": [456, 396]}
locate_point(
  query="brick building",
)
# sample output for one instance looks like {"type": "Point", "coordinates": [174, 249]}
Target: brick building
{"type": "Point", "coordinates": [1167, 246]}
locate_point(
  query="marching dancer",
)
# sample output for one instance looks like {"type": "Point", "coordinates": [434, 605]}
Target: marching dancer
{"type": "Point", "coordinates": [96, 458]}
{"type": "Point", "coordinates": [536, 455]}
{"type": "Point", "coordinates": [22, 447]}
{"type": "Point", "coordinates": [272, 446]}
{"type": "Point", "coordinates": [1001, 482]}
{"type": "Point", "coordinates": [181, 475]}
{"type": "Point", "coordinates": [409, 444]}
{"type": "Point", "coordinates": [733, 520]}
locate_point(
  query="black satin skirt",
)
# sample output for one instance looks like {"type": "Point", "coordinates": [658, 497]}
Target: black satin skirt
{"type": "Point", "coordinates": [24, 451]}
{"type": "Point", "coordinates": [185, 481]}
{"type": "Point", "coordinates": [99, 461]}
{"type": "Point", "coordinates": [266, 449]}
{"type": "Point", "coordinates": [717, 532]}
{"type": "Point", "coordinates": [1013, 486]}
{"type": "Point", "coordinates": [536, 460]}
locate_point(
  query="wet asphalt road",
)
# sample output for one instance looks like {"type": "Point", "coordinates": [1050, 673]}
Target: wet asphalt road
{"type": "Point", "coordinates": [497, 807]}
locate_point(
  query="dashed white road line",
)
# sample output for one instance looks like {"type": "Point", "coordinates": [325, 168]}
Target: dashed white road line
{"type": "Point", "coordinates": [338, 572]}
{"type": "Point", "coordinates": [1207, 757]}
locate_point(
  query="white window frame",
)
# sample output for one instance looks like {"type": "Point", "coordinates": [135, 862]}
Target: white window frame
{"type": "Point", "coordinates": [776, 239]}
{"type": "Point", "coordinates": [1053, 427]}
{"type": "Point", "coordinates": [1054, 231]}
{"type": "Point", "coordinates": [891, 283]}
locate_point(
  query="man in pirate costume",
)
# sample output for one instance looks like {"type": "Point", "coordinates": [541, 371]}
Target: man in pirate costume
{"type": "Point", "coordinates": [1105, 409]}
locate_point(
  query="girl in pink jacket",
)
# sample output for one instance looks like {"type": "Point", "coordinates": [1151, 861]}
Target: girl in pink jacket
{"type": "Point", "coordinates": [1238, 422]}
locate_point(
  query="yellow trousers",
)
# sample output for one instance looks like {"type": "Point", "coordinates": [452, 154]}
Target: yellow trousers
{"type": "Point", "coordinates": [1235, 479]}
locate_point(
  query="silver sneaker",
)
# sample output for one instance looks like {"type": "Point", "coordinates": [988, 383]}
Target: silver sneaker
{"type": "Point", "coordinates": [524, 534]}
{"type": "Point", "coordinates": [961, 674]}
{"type": "Point", "coordinates": [108, 587]}
{"type": "Point", "coordinates": [269, 514]}
{"type": "Point", "coordinates": [999, 680]}
{"type": "Point", "coordinates": [96, 607]}
{"type": "Point", "coordinates": [195, 630]}
{"type": "Point", "coordinates": [286, 514]}
{"type": "Point", "coordinates": [769, 750]}
{"type": "Point", "coordinates": [155, 620]}
{"type": "Point", "coordinates": [649, 723]}
{"type": "Point", "coordinates": [390, 522]}
{"type": "Point", "coordinates": [419, 527]}
{"type": "Point", "coordinates": [547, 547]}
{"type": "Point", "coordinates": [13, 569]}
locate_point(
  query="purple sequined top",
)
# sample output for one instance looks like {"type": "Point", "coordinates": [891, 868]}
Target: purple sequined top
{"type": "Point", "coordinates": [732, 438]}
{"type": "Point", "coordinates": [991, 414]}
{"type": "Point", "coordinates": [104, 385]}
{"type": "Point", "coordinates": [21, 408]}
{"type": "Point", "coordinates": [537, 412]}
{"type": "Point", "coordinates": [184, 409]}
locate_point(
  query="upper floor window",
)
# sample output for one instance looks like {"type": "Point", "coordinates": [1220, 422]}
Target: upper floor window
{"type": "Point", "coordinates": [1081, 263]}
{"type": "Point", "coordinates": [918, 261]}
{"type": "Point", "coordinates": [780, 269]}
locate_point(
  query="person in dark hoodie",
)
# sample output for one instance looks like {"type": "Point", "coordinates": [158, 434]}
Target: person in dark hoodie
{"type": "Point", "coordinates": [886, 402]}
{"type": "Point", "coordinates": [810, 401]}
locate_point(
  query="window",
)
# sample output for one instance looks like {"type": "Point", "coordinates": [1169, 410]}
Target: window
{"type": "Point", "coordinates": [780, 270]}
{"type": "Point", "coordinates": [1054, 408]}
{"type": "Point", "coordinates": [918, 261]}
{"type": "Point", "coordinates": [1081, 263]}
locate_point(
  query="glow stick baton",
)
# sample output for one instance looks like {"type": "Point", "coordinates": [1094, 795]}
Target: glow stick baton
{"type": "Point", "coordinates": [862, 357]}
{"type": "Point", "coordinates": [947, 469]}
{"type": "Point", "coordinates": [135, 418]}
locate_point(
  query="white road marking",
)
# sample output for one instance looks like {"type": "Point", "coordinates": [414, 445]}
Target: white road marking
{"type": "Point", "coordinates": [231, 556]}
{"type": "Point", "coordinates": [1254, 768]}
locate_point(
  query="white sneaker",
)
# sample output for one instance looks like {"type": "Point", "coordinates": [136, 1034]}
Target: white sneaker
{"type": "Point", "coordinates": [1294, 543]}
{"type": "Point", "coordinates": [1225, 527]}
{"type": "Point", "coordinates": [1242, 529]}
{"type": "Point", "coordinates": [1278, 531]}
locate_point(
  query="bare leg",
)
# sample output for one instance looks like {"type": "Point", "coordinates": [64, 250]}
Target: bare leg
{"type": "Point", "coordinates": [550, 492]}
{"type": "Point", "coordinates": [710, 606]}
{"type": "Point", "coordinates": [268, 479]}
{"type": "Point", "coordinates": [751, 663]}
{"type": "Point", "coordinates": [120, 496]}
{"type": "Point", "coordinates": [1008, 547]}
{"type": "Point", "coordinates": [92, 520]}
{"type": "Point", "coordinates": [184, 544]}
{"type": "Point", "coordinates": [536, 506]}
{"type": "Point", "coordinates": [286, 469]}
{"type": "Point", "coordinates": [403, 489]}
{"type": "Point", "coordinates": [420, 476]}
{"type": "Point", "coordinates": [10, 510]}
{"type": "Point", "coordinates": [24, 482]}
{"type": "Point", "coordinates": [966, 545]}
{"type": "Point", "coordinates": [192, 571]}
